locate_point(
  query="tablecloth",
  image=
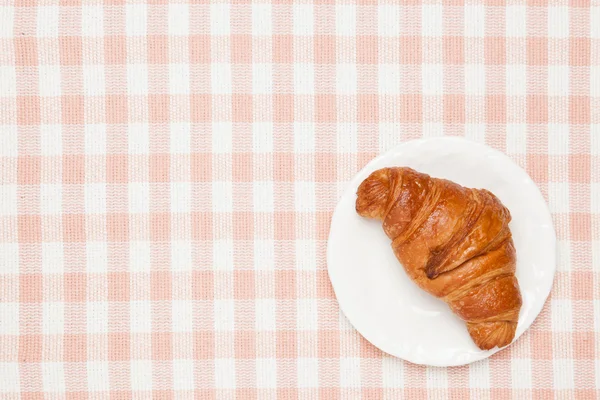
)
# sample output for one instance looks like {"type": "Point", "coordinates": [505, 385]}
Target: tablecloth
{"type": "Point", "coordinates": [168, 171]}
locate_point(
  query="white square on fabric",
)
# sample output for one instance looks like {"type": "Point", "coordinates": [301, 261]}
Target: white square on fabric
{"type": "Point", "coordinates": [8, 78]}
{"type": "Point", "coordinates": [437, 377]}
{"type": "Point", "coordinates": [181, 255]}
{"type": "Point", "coordinates": [222, 142]}
{"type": "Point", "coordinates": [558, 139]}
{"type": "Point", "coordinates": [181, 193]}
{"type": "Point", "coordinates": [306, 254]}
{"type": "Point", "coordinates": [95, 198]}
{"type": "Point", "coordinates": [139, 256]}
{"type": "Point", "coordinates": [47, 21]}
{"type": "Point", "coordinates": [558, 80]}
{"type": "Point", "coordinates": [137, 79]}
{"type": "Point", "coordinates": [179, 79]}
{"type": "Point", "coordinates": [392, 372]}
{"type": "Point", "coordinates": [474, 20]}
{"type": "Point", "coordinates": [138, 138]}
{"type": "Point", "coordinates": [389, 136]}
{"type": "Point", "coordinates": [347, 137]}
{"type": "Point", "coordinates": [266, 373]}
{"type": "Point", "coordinates": [51, 140]}
{"type": "Point", "coordinates": [346, 78]}
{"type": "Point", "coordinates": [389, 79]}
{"type": "Point", "coordinates": [8, 200]}
{"type": "Point", "coordinates": [139, 197]}
{"type": "Point", "coordinates": [97, 257]}
{"type": "Point", "coordinates": [224, 373]}
{"type": "Point", "coordinates": [223, 254]}
{"type": "Point", "coordinates": [433, 79]}
{"type": "Point", "coordinates": [345, 19]}
{"type": "Point", "coordinates": [558, 197]}
{"type": "Point", "coordinates": [304, 78]}
{"type": "Point", "coordinates": [136, 19]}
{"type": "Point", "coordinates": [594, 33]}
{"type": "Point", "coordinates": [8, 140]}
{"type": "Point", "coordinates": [389, 21]}
{"type": "Point", "coordinates": [219, 19]}
{"type": "Point", "coordinates": [596, 307]}
{"type": "Point", "coordinates": [183, 374]}
{"type": "Point", "coordinates": [558, 22]}
{"type": "Point", "coordinates": [95, 139]}
{"type": "Point", "coordinates": [516, 80]}
{"type": "Point", "coordinates": [97, 376]}
{"type": "Point", "coordinates": [516, 21]}
{"type": "Point", "coordinates": [306, 317]}
{"type": "Point", "coordinates": [221, 78]}
{"type": "Point", "coordinates": [516, 141]}
{"type": "Point", "coordinates": [263, 196]}
{"type": "Point", "coordinates": [350, 372]}
{"type": "Point", "coordinates": [562, 315]}
{"type": "Point", "coordinates": [304, 137]}
{"type": "Point", "coordinates": [262, 78]}
{"type": "Point", "coordinates": [475, 132]}
{"type": "Point", "coordinates": [564, 378]}
{"type": "Point", "coordinates": [53, 377]}
{"type": "Point", "coordinates": [594, 82]}
{"type": "Point", "coordinates": [265, 314]}
{"type": "Point", "coordinates": [9, 319]}
{"type": "Point", "coordinates": [180, 137]}
{"type": "Point", "coordinates": [479, 374]}
{"type": "Point", "coordinates": [9, 372]}
{"type": "Point", "coordinates": [92, 20]}
{"type": "Point", "coordinates": [305, 198]}
{"type": "Point", "coordinates": [49, 80]}
{"type": "Point", "coordinates": [53, 259]}
{"type": "Point", "coordinates": [182, 315]}
{"type": "Point", "coordinates": [262, 137]}
{"type": "Point", "coordinates": [141, 375]}
{"type": "Point", "coordinates": [431, 20]}
{"type": "Point", "coordinates": [308, 372]}
{"type": "Point", "coordinates": [264, 254]}
{"type": "Point", "coordinates": [179, 19]}
{"type": "Point", "coordinates": [222, 197]}
{"type": "Point", "coordinates": [262, 19]}
{"type": "Point", "coordinates": [140, 317]}
{"type": "Point", "coordinates": [595, 135]}
{"type": "Point", "coordinates": [303, 19]}
{"type": "Point", "coordinates": [97, 317]}
{"type": "Point", "coordinates": [475, 79]}
{"type": "Point", "coordinates": [521, 373]}
{"type": "Point", "coordinates": [564, 254]}
{"type": "Point", "coordinates": [6, 31]}
{"type": "Point", "coordinates": [433, 129]}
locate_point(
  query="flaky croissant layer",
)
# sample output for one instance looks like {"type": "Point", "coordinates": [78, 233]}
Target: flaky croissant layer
{"type": "Point", "coordinates": [454, 242]}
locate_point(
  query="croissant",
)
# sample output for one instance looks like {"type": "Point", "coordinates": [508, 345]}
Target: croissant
{"type": "Point", "coordinates": [454, 243]}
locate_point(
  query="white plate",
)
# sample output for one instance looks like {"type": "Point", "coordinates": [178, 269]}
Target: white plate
{"type": "Point", "coordinates": [377, 296]}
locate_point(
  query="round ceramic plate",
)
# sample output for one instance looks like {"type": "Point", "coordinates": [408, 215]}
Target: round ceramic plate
{"type": "Point", "coordinates": [377, 296]}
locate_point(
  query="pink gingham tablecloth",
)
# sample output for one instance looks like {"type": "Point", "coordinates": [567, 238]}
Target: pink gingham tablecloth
{"type": "Point", "coordinates": [168, 171]}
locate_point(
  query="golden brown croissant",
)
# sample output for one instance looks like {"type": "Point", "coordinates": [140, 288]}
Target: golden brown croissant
{"type": "Point", "coordinates": [454, 242]}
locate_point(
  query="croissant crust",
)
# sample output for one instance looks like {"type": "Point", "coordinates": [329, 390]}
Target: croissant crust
{"type": "Point", "coordinates": [453, 242]}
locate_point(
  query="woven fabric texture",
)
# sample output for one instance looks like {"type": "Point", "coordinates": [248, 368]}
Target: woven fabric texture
{"type": "Point", "coordinates": [168, 171]}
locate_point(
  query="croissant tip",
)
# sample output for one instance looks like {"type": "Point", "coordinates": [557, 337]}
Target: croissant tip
{"type": "Point", "coordinates": [492, 334]}
{"type": "Point", "coordinates": [371, 195]}
{"type": "Point", "coordinates": [430, 273]}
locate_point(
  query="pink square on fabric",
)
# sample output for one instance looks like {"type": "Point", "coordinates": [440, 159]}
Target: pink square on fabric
{"type": "Point", "coordinates": [30, 228]}
{"type": "Point", "coordinates": [25, 51]}
{"type": "Point", "coordinates": [28, 110]}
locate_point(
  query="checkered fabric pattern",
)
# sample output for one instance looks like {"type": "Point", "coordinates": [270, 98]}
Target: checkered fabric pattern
{"type": "Point", "coordinates": [168, 172]}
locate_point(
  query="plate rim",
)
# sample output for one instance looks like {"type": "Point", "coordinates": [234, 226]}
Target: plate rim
{"type": "Point", "coordinates": [497, 153]}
